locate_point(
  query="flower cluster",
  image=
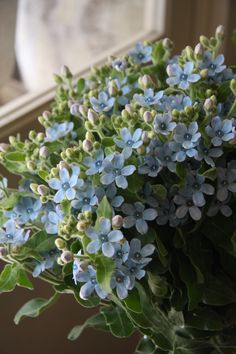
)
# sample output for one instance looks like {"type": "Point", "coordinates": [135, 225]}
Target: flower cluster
{"type": "Point", "coordinates": [136, 156]}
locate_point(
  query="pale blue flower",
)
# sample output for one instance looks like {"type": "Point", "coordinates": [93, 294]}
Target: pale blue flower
{"type": "Point", "coordinates": [189, 136]}
{"type": "Point", "coordinates": [115, 171]}
{"type": "Point", "coordinates": [214, 66]}
{"type": "Point", "coordinates": [139, 254]}
{"type": "Point", "coordinates": [58, 131]}
{"type": "Point", "coordinates": [196, 187]}
{"type": "Point", "coordinates": [146, 194]}
{"type": "Point", "coordinates": [89, 277]}
{"type": "Point", "coordinates": [103, 103]}
{"type": "Point", "coordinates": [94, 163]}
{"type": "Point", "coordinates": [67, 184]}
{"type": "Point", "coordinates": [137, 216]}
{"type": "Point", "coordinates": [121, 282]}
{"type": "Point", "coordinates": [123, 90]}
{"type": "Point", "coordinates": [148, 98]}
{"type": "Point", "coordinates": [141, 54]}
{"type": "Point", "coordinates": [119, 64]}
{"type": "Point", "coordinates": [111, 193]}
{"type": "Point", "coordinates": [103, 238]}
{"type": "Point", "coordinates": [27, 209]}
{"type": "Point", "coordinates": [166, 156]}
{"type": "Point", "coordinates": [218, 206]}
{"type": "Point", "coordinates": [163, 124]}
{"type": "Point", "coordinates": [220, 130]}
{"type": "Point", "coordinates": [151, 166]}
{"type": "Point", "coordinates": [226, 179]}
{"type": "Point", "coordinates": [134, 271]}
{"type": "Point", "coordinates": [85, 200]}
{"type": "Point", "coordinates": [121, 253]}
{"type": "Point", "coordinates": [185, 205]}
{"type": "Point", "coordinates": [180, 153]}
{"type": "Point", "coordinates": [166, 213]}
{"type": "Point", "coordinates": [48, 262]}
{"type": "Point", "coordinates": [129, 141]}
{"type": "Point", "coordinates": [168, 103]}
{"type": "Point", "coordinates": [181, 77]}
{"type": "Point", "coordinates": [52, 219]}
{"type": "Point", "coordinates": [13, 234]}
{"type": "Point", "coordinates": [208, 154]}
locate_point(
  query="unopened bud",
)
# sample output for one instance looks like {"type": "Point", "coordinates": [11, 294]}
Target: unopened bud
{"type": "Point", "coordinates": [67, 256]}
{"type": "Point", "coordinates": [117, 221]}
{"type": "Point", "coordinates": [40, 137]}
{"type": "Point", "coordinates": [46, 115]}
{"type": "Point", "coordinates": [89, 136]}
{"type": "Point", "coordinates": [220, 32]}
{"type": "Point", "coordinates": [60, 244]}
{"type": "Point", "coordinates": [204, 73]}
{"type": "Point", "coordinates": [4, 147]}
{"type": "Point", "coordinates": [87, 145]}
{"type": "Point", "coordinates": [210, 104]}
{"type": "Point", "coordinates": [145, 137]}
{"type": "Point", "coordinates": [129, 108]}
{"type": "Point", "coordinates": [145, 81]}
{"type": "Point", "coordinates": [81, 226]}
{"type": "Point", "coordinates": [167, 44]}
{"type": "Point", "coordinates": [12, 140]}
{"type": "Point", "coordinates": [63, 164]}
{"type": "Point", "coordinates": [204, 41]}
{"type": "Point", "coordinates": [124, 114]}
{"type": "Point", "coordinates": [189, 53]}
{"type": "Point", "coordinates": [65, 71]}
{"type": "Point", "coordinates": [34, 187]}
{"type": "Point", "coordinates": [147, 117]}
{"type": "Point", "coordinates": [43, 152]}
{"type": "Point", "coordinates": [32, 135]}
{"type": "Point", "coordinates": [43, 190]}
{"type": "Point", "coordinates": [112, 88]}
{"type": "Point", "coordinates": [198, 50]}
{"type": "Point", "coordinates": [74, 109]}
{"type": "Point", "coordinates": [92, 116]}
{"type": "Point", "coordinates": [31, 165]}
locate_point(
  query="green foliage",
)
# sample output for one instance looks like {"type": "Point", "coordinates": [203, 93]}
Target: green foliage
{"type": "Point", "coordinates": [13, 275]}
{"type": "Point", "coordinates": [97, 322]}
{"type": "Point", "coordinates": [35, 307]}
{"type": "Point", "coordinates": [105, 269]}
{"type": "Point", "coordinates": [117, 321]}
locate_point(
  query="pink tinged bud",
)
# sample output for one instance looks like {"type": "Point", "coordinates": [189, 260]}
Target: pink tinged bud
{"type": "Point", "coordinates": [74, 109]}
{"type": "Point", "coordinates": [145, 137]}
{"type": "Point", "coordinates": [198, 50]}
{"type": "Point", "coordinates": [43, 190]}
{"type": "Point", "coordinates": [3, 252]}
{"type": "Point", "coordinates": [147, 117]}
{"type": "Point", "coordinates": [220, 32]}
{"type": "Point", "coordinates": [4, 147]}
{"type": "Point", "coordinates": [46, 115]}
{"type": "Point", "coordinates": [92, 116]}
{"type": "Point", "coordinates": [87, 145]}
{"type": "Point", "coordinates": [43, 152]}
{"type": "Point", "coordinates": [67, 256]}
{"type": "Point", "coordinates": [117, 221]}
{"type": "Point", "coordinates": [129, 108]}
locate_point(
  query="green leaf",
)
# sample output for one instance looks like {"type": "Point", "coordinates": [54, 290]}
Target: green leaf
{"type": "Point", "coordinates": [66, 206]}
{"type": "Point", "coordinates": [104, 210]}
{"type": "Point", "coordinates": [145, 346]}
{"type": "Point", "coordinates": [9, 278]}
{"type": "Point", "coordinates": [16, 156]}
{"type": "Point", "coordinates": [132, 302]}
{"type": "Point", "coordinates": [204, 319]}
{"type": "Point", "coordinates": [108, 142]}
{"type": "Point", "coordinates": [118, 322]}
{"type": "Point", "coordinates": [159, 191]}
{"type": "Point", "coordinates": [80, 86]}
{"type": "Point", "coordinates": [23, 280]}
{"type": "Point", "coordinates": [41, 242]}
{"type": "Point", "coordinates": [92, 301]}
{"type": "Point", "coordinates": [35, 307]}
{"type": "Point", "coordinates": [9, 202]}
{"type": "Point", "coordinates": [181, 170]}
{"type": "Point", "coordinates": [97, 321]}
{"type": "Point", "coordinates": [105, 269]}
{"type": "Point", "coordinates": [210, 174]}
{"type": "Point", "coordinates": [219, 291]}
{"type": "Point", "coordinates": [223, 91]}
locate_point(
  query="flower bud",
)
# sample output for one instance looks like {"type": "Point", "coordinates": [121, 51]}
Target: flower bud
{"type": "Point", "coordinates": [145, 81]}
{"type": "Point", "coordinates": [81, 226]}
{"type": "Point", "coordinates": [210, 104]}
{"type": "Point", "coordinates": [167, 44]}
{"type": "Point", "coordinates": [112, 88]}
{"type": "Point", "coordinates": [198, 51]}
{"type": "Point", "coordinates": [220, 32]}
{"type": "Point", "coordinates": [32, 134]}
{"type": "Point", "coordinates": [87, 145]}
{"type": "Point", "coordinates": [74, 109]}
{"type": "Point", "coordinates": [83, 110]}
{"type": "Point", "coordinates": [43, 190]}
{"type": "Point", "coordinates": [88, 215]}
{"type": "Point", "coordinates": [4, 147]}
{"type": "Point", "coordinates": [125, 114]}
{"type": "Point", "coordinates": [89, 136]}
{"type": "Point", "coordinates": [43, 152]}
{"type": "Point", "coordinates": [63, 164]}
{"type": "Point", "coordinates": [67, 256]}
{"type": "Point", "coordinates": [145, 138]}
{"type": "Point", "coordinates": [3, 252]}
{"type": "Point", "coordinates": [129, 108]}
{"type": "Point", "coordinates": [46, 115]}
{"type": "Point", "coordinates": [34, 187]}
{"type": "Point", "coordinates": [40, 137]}
{"type": "Point", "coordinates": [147, 117]}
{"type": "Point", "coordinates": [60, 244]}
{"type": "Point", "coordinates": [189, 53]}
{"type": "Point", "coordinates": [204, 73]}
{"type": "Point", "coordinates": [117, 221]}
{"type": "Point", "coordinates": [93, 116]}
{"type": "Point", "coordinates": [204, 41]}
{"type": "Point", "coordinates": [31, 165]}
{"type": "Point", "coordinates": [65, 71]}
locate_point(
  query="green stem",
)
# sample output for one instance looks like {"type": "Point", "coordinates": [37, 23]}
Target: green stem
{"type": "Point", "coordinates": [232, 109]}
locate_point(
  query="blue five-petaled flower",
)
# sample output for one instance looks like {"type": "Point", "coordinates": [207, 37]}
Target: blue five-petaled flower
{"type": "Point", "coordinates": [141, 54]}
{"type": "Point", "coordinates": [181, 77]}
{"type": "Point", "coordinates": [103, 103]}
{"type": "Point", "coordinates": [149, 98]}
{"type": "Point", "coordinates": [129, 141]}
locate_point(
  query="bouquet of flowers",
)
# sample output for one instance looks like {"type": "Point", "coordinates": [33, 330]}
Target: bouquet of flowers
{"type": "Point", "coordinates": [127, 200]}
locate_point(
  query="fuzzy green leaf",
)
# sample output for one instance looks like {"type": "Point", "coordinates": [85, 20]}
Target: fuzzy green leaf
{"type": "Point", "coordinates": [97, 321]}
{"type": "Point", "coordinates": [105, 269]}
{"type": "Point", "coordinates": [118, 322]}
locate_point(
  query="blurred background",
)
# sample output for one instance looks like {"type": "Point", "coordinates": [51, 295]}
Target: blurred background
{"type": "Point", "coordinates": [36, 38]}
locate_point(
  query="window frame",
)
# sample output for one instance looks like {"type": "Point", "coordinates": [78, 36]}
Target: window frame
{"type": "Point", "coordinates": [22, 112]}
